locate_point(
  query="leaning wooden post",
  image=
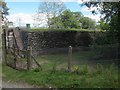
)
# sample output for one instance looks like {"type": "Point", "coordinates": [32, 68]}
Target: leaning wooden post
{"type": "Point", "coordinates": [29, 58]}
{"type": "Point", "coordinates": [69, 58]}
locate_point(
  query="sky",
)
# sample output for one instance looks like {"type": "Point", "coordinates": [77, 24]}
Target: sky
{"type": "Point", "coordinates": [22, 13]}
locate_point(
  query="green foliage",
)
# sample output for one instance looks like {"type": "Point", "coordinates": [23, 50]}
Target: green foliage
{"type": "Point", "coordinates": [51, 9]}
{"type": "Point", "coordinates": [111, 11]}
{"type": "Point", "coordinates": [87, 23]}
{"type": "Point", "coordinates": [0, 41]}
{"type": "Point", "coordinates": [37, 69]}
{"type": "Point", "coordinates": [81, 70]}
{"type": "Point", "coordinates": [76, 69]}
{"type": "Point", "coordinates": [103, 25]}
{"type": "Point", "coordinates": [55, 22]}
{"type": "Point", "coordinates": [97, 27]}
{"type": "Point", "coordinates": [62, 30]}
{"type": "Point", "coordinates": [86, 73]}
{"type": "Point", "coordinates": [5, 9]}
{"type": "Point", "coordinates": [108, 37]}
{"type": "Point", "coordinates": [99, 68]}
{"type": "Point", "coordinates": [84, 70]}
{"type": "Point", "coordinates": [106, 51]}
{"type": "Point", "coordinates": [70, 19]}
{"type": "Point", "coordinates": [54, 69]}
{"type": "Point", "coordinates": [107, 79]}
{"type": "Point", "coordinates": [102, 40]}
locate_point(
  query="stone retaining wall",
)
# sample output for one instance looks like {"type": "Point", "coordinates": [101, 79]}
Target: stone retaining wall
{"type": "Point", "coordinates": [44, 41]}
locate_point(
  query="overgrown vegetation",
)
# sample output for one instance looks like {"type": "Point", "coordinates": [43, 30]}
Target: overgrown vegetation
{"type": "Point", "coordinates": [86, 72]}
{"type": "Point", "coordinates": [110, 21]}
{"type": "Point", "coordinates": [73, 29]}
{"type": "Point", "coordinates": [101, 77]}
{"type": "Point", "coordinates": [89, 69]}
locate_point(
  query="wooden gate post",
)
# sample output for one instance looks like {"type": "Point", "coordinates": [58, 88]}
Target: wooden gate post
{"type": "Point", "coordinates": [28, 59]}
{"type": "Point", "coordinates": [4, 61]}
{"type": "Point", "coordinates": [69, 58]}
{"type": "Point", "coordinates": [15, 57]}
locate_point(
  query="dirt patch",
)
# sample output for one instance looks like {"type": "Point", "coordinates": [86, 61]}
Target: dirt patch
{"type": "Point", "coordinates": [19, 84]}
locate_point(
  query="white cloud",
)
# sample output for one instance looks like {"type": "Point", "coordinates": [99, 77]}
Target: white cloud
{"type": "Point", "coordinates": [87, 10]}
{"type": "Point", "coordinates": [94, 17]}
{"type": "Point", "coordinates": [21, 19]}
{"type": "Point", "coordinates": [80, 1]}
{"type": "Point", "coordinates": [40, 0]}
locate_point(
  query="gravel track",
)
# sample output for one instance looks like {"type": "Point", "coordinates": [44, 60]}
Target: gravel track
{"type": "Point", "coordinates": [11, 84]}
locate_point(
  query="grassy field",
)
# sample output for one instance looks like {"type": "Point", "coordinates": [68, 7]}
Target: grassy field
{"type": "Point", "coordinates": [86, 73]}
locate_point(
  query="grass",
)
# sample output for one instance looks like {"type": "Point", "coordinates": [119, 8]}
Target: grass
{"type": "Point", "coordinates": [86, 73]}
{"type": "Point", "coordinates": [102, 79]}
{"type": "Point", "coordinates": [0, 42]}
{"type": "Point", "coordinates": [78, 58]}
{"type": "Point", "coordinates": [46, 29]}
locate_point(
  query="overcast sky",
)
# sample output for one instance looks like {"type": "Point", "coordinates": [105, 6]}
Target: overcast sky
{"type": "Point", "coordinates": [23, 12]}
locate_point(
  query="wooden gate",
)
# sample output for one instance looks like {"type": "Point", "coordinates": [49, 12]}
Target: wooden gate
{"type": "Point", "coordinates": [14, 56]}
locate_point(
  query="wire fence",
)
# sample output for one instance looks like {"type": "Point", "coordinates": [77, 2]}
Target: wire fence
{"type": "Point", "coordinates": [67, 59]}
{"type": "Point", "coordinates": [79, 57]}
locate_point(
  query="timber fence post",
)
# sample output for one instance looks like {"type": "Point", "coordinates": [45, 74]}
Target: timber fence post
{"type": "Point", "coordinates": [29, 58]}
{"type": "Point", "coordinates": [4, 47]}
{"type": "Point", "coordinates": [15, 57]}
{"type": "Point", "coordinates": [69, 58]}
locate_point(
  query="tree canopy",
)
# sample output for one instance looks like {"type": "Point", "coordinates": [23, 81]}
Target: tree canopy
{"type": "Point", "coordinates": [69, 19]}
{"type": "Point", "coordinates": [111, 13]}
{"type": "Point", "coordinates": [49, 9]}
{"type": "Point", "coordinates": [4, 10]}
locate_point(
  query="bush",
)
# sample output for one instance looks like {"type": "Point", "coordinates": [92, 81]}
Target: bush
{"type": "Point", "coordinates": [54, 68]}
{"type": "Point", "coordinates": [37, 69]}
{"type": "Point", "coordinates": [99, 68]}
{"type": "Point", "coordinates": [105, 38]}
{"type": "Point", "coordinates": [105, 51]}
{"type": "Point", "coordinates": [82, 70]}
{"type": "Point", "coordinates": [76, 69]}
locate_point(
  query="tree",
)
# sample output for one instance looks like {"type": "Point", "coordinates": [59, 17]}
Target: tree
{"type": "Point", "coordinates": [4, 10]}
{"type": "Point", "coordinates": [56, 22]}
{"type": "Point", "coordinates": [70, 19]}
{"type": "Point", "coordinates": [87, 23]}
{"type": "Point", "coordinates": [111, 12]}
{"type": "Point", "coordinates": [78, 15]}
{"type": "Point", "coordinates": [65, 20]}
{"type": "Point", "coordinates": [50, 9]}
{"type": "Point", "coordinates": [103, 25]}
{"type": "Point", "coordinates": [3, 13]}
